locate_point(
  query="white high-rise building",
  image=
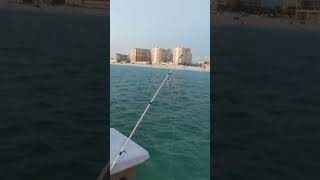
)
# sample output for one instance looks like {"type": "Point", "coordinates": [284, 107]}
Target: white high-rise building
{"type": "Point", "coordinates": [252, 5]}
{"type": "Point", "coordinates": [140, 55]}
{"type": "Point", "coordinates": [182, 55]}
{"type": "Point", "coordinates": [160, 55]}
{"type": "Point", "coordinates": [311, 4]}
{"type": "Point", "coordinates": [291, 4]}
{"type": "Point", "coordinates": [301, 4]}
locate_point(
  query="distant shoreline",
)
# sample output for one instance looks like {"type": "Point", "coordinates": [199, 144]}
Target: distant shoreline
{"type": "Point", "coordinates": [261, 22]}
{"type": "Point", "coordinates": [54, 9]}
{"type": "Point", "coordinates": [179, 67]}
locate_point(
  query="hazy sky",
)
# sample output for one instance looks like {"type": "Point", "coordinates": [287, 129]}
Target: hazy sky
{"type": "Point", "coordinates": [160, 23]}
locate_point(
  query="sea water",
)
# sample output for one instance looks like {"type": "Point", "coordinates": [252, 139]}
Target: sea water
{"type": "Point", "coordinates": [53, 96]}
{"type": "Point", "coordinates": [266, 88]}
{"type": "Point", "coordinates": [176, 129]}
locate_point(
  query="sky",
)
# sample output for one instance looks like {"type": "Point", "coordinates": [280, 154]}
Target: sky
{"type": "Point", "coordinates": [160, 23]}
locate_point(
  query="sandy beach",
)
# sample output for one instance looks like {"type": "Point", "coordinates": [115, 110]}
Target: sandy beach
{"type": "Point", "coordinates": [53, 9]}
{"type": "Point", "coordinates": [179, 67]}
{"type": "Point", "coordinates": [254, 21]}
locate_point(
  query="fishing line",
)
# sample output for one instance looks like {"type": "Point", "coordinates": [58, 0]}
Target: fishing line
{"type": "Point", "coordinates": [172, 90]}
{"type": "Point", "coordinates": [106, 168]}
{"type": "Point", "coordinates": [139, 121]}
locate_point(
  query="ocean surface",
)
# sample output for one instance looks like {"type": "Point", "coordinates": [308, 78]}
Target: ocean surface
{"type": "Point", "coordinates": [176, 129]}
{"type": "Point", "coordinates": [53, 91]}
{"type": "Point", "coordinates": [266, 104]}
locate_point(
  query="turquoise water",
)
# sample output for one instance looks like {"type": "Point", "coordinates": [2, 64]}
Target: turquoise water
{"type": "Point", "coordinates": [175, 130]}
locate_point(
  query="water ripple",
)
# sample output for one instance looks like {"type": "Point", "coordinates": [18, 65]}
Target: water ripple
{"type": "Point", "coordinates": [175, 131]}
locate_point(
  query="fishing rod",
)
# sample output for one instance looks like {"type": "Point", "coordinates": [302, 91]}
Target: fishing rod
{"type": "Point", "coordinates": [140, 119]}
{"type": "Point", "coordinates": [106, 167]}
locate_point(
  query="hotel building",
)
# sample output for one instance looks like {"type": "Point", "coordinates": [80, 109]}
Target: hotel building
{"type": "Point", "coordinates": [251, 3]}
{"type": "Point", "coordinates": [252, 6]}
{"type": "Point", "coordinates": [182, 55]}
{"type": "Point", "coordinates": [290, 6]}
{"type": "Point", "coordinates": [301, 4]}
{"type": "Point", "coordinates": [310, 4]}
{"type": "Point", "coordinates": [121, 58]}
{"type": "Point", "coordinates": [140, 56]}
{"type": "Point", "coordinates": [310, 11]}
{"type": "Point", "coordinates": [290, 3]}
{"type": "Point", "coordinates": [160, 55]}
{"type": "Point", "coordinates": [303, 9]}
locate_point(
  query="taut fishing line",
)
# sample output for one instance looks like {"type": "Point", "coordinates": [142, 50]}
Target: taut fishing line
{"type": "Point", "coordinates": [106, 170]}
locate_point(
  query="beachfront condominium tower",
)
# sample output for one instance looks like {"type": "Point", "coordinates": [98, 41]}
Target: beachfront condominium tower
{"type": "Point", "coordinates": [286, 4]}
{"type": "Point", "coordinates": [304, 8]}
{"type": "Point", "coordinates": [251, 6]}
{"type": "Point", "coordinates": [140, 55]}
{"type": "Point", "coordinates": [160, 55]}
{"type": "Point", "coordinates": [290, 6]}
{"type": "Point", "coordinates": [310, 10]}
{"type": "Point", "coordinates": [310, 4]}
{"type": "Point", "coordinates": [182, 55]}
{"type": "Point", "coordinates": [121, 57]}
{"type": "Point", "coordinates": [301, 4]}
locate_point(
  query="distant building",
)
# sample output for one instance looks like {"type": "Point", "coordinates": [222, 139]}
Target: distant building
{"type": "Point", "coordinates": [310, 4]}
{"type": "Point", "coordinates": [289, 7]}
{"type": "Point", "coordinates": [44, 1]}
{"type": "Point", "coordinates": [121, 58]}
{"type": "Point", "coordinates": [160, 55]}
{"type": "Point", "coordinates": [290, 3]}
{"type": "Point", "coordinates": [233, 5]}
{"type": "Point", "coordinates": [301, 4]}
{"type": "Point", "coordinates": [303, 9]}
{"type": "Point", "coordinates": [57, 1]}
{"type": "Point", "coordinates": [251, 3]}
{"type": "Point", "coordinates": [182, 56]}
{"type": "Point", "coordinates": [251, 6]}
{"type": "Point", "coordinates": [140, 56]}
{"type": "Point", "coordinates": [104, 4]}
